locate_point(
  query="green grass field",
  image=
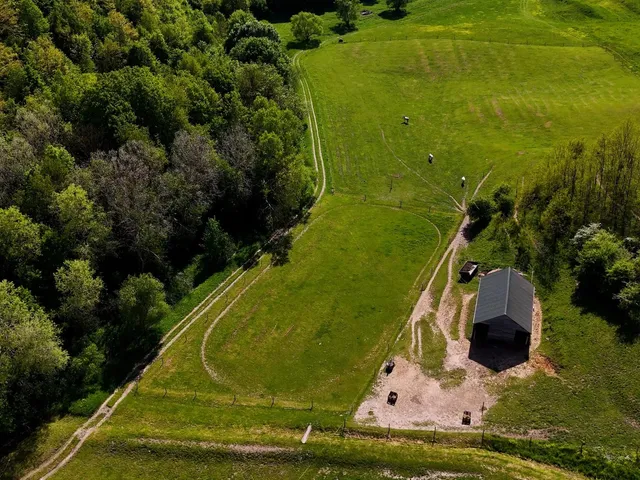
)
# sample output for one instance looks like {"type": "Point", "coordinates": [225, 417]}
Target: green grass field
{"type": "Point", "coordinates": [487, 85]}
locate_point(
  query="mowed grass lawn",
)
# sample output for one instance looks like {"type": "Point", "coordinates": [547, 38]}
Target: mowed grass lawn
{"type": "Point", "coordinates": [317, 327]}
{"type": "Point", "coordinates": [472, 104]}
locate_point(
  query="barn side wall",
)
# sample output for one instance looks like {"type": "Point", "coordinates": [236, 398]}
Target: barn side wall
{"type": "Point", "coordinates": [503, 329]}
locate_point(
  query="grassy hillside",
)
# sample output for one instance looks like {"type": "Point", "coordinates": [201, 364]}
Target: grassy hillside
{"type": "Point", "coordinates": [486, 85]}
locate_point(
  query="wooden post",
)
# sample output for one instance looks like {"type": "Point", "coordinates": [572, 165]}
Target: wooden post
{"type": "Point", "coordinates": [433, 440]}
{"type": "Point", "coordinates": [234, 400]}
{"type": "Point", "coordinates": [165, 392]}
{"type": "Point", "coordinates": [389, 432]}
{"type": "Point", "coordinates": [273, 400]}
{"type": "Point", "coordinates": [311, 405]}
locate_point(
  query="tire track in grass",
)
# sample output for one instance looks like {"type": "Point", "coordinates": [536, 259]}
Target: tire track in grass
{"type": "Point", "coordinates": [105, 411]}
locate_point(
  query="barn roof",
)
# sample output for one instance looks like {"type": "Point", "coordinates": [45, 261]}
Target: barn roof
{"type": "Point", "coordinates": [505, 292]}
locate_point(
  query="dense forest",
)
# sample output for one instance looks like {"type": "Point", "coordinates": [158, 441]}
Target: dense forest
{"type": "Point", "coordinates": [138, 138]}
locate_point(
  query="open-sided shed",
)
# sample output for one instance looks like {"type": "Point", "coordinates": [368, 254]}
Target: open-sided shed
{"type": "Point", "coordinates": [504, 309]}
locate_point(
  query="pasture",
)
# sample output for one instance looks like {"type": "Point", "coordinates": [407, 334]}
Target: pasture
{"type": "Point", "coordinates": [487, 86]}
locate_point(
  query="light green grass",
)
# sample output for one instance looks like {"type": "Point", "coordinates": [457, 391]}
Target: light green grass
{"type": "Point", "coordinates": [37, 447]}
{"type": "Point", "coordinates": [318, 326]}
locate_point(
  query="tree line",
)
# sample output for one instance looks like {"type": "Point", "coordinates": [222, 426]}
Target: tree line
{"type": "Point", "coordinates": [581, 209]}
{"type": "Point", "coordinates": [143, 146]}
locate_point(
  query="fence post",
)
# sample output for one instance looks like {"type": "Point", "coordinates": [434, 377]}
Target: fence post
{"type": "Point", "coordinates": [195, 394]}
{"type": "Point", "coordinates": [165, 392]}
{"type": "Point", "coordinates": [389, 432]}
{"type": "Point", "coordinates": [433, 440]}
{"type": "Point", "coordinates": [311, 405]}
{"type": "Point", "coordinates": [234, 400]}
{"type": "Point", "coordinates": [273, 399]}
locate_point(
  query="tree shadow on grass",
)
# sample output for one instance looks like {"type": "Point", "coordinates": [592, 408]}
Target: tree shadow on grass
{"type": "Point", "coordinates": [393, 14]}
{"type": "Point", "coordinates": [342, 29]}
{"type": "Point", "coordinates": [627, 330]}
{"type": "Point", "coordinates": [303, 45]}
{"type": "Point", "coordinates": [473, 229]}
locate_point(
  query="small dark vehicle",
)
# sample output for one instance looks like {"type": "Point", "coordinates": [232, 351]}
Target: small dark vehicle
{"type": "Point", "coordinates": [466, 418]}
{"type": "Point", "coordinates": [392, 398]}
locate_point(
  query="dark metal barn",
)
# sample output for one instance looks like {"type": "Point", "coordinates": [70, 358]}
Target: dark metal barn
{"type": "Point", "coordinates": [504, 310]}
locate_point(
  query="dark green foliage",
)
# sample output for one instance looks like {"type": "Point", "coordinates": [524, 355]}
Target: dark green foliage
{"type": "Point", "coordinates": [503, 200]}
{"type": "Point", "coordinates": [218, 246]}
{"type": "Point", "coordinates": [251, 29]}
{"type": "Point", "coordinates": [480, 210]}
{"type": "Point", "coordinates": [397, 5]}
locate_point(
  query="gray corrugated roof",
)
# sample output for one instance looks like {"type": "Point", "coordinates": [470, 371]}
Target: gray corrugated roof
{"type": "Point", "coordinates": [505, 292]}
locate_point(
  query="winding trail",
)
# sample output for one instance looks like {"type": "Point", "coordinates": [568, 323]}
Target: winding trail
{"type": "Point", "coordinates": [425, 305]}
{"type": "Point", "coordinates": [105, 412]}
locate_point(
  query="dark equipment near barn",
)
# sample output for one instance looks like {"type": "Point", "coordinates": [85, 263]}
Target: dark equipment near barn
{"type": "Point", "coordinates": [468, 271]}
{"type": "Point", "coordinates": [466, 418]}
{"type": "Point", "coordinates": [389, 366]}
{"type": "Point", "coordinates": [392, 398]}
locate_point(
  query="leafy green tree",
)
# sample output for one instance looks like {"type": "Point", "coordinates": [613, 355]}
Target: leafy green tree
{"type": "Point", "coordinates": [79, 290]}
{"type": "Point", "coordinates": [347, 12]}
{"type": "Point", "coordinates": [218, 246]}
{"type": "Point", "coordinates": [85, 369]}
{"type": "Point", "coordinates": [629, 300]}
{"type": "Point", "coordinates": [503, 200]}
{"type": "Point", "coordinates": [239, 17]}
{"type": "Point", "coordinates": [142, 304]}
{"type": "Point", "coordinates": [20, 242]}
{"type": "Point", "coordinates": [81, 225]}
{"type": "Point", "coordinates": [397, 5]}
{"type": "Point", "coordinates": [262, 50]}
{"type": "Point", "coordinates": [30, 354]}
{"type": "Point", "coordinates": [31, 20]}
{"type": "Point", "coordinates": [16, 159]}
{"type": "Point", "coordinates": [251, 29]}
{"type": "Point", "coordinates": [596, 258]}
{"type": "Point", "coordinates": [305, 25]}
{"type": "Point", "coordinates": [231, 6]}
{"type": "Point", "coordinates": [480, 210]}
